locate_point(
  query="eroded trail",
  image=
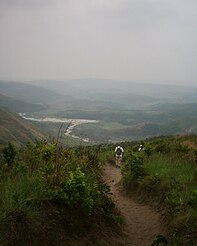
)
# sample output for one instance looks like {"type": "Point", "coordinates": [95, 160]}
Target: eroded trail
{"type": "Point", "coordinates": [142, 224]}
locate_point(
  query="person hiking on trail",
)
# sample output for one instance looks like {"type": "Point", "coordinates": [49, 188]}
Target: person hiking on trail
{"type": "Point", "coordinates": [119, 152]}
{"type": "Point", "coordinates": [140, 148]}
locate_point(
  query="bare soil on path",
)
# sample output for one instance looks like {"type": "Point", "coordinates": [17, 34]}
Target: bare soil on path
{"type": "Point", "coordinates": [142, 223]}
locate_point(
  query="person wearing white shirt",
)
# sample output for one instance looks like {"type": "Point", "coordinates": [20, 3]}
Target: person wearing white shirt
{"type": "Point", "coordinates": [119, 154]}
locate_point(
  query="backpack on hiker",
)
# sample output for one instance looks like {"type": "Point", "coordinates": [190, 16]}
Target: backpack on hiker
{"type": "Point", "coordinates": [118, 151]}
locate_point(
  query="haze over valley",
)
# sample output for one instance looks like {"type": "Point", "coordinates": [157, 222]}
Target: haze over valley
{"type": "Point", "coordinates": [115, 110]}
{"type": "Point", "coordinates": [129, 65]}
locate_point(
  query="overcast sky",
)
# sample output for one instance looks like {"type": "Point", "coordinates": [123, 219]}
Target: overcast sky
{"type": "Point", "coordinates": [137, 40]}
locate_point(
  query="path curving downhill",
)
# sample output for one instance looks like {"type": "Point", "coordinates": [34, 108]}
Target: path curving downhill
{"type": "Point", "coordinates": [142, 224]}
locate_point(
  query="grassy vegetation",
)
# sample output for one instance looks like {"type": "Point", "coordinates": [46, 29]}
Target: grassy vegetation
{"type": "Point", "coordinates": [49, 190]}
{"type": "Point", "coordinates": [165, 174]}
{"type": "Point", "coordinates": [48, 193]}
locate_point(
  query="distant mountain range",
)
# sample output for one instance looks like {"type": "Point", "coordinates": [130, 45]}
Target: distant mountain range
{"type": "Point", "coordinates": [97, 91]}
{"type": "Point", "coordinates": [92, 87]}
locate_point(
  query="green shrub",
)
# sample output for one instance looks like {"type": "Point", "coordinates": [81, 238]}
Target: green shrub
{"type": "Point", "coordinates": [150, 182]}
{"type": "Point", "coordinates": [48, 152]}
{"type": "Point", "coordinates": [148, 150]}
{"type": "Point", "coordinates": [163, 146]}
{"type": "Point", "coordinates": [78, 191]}
{"type": "Point", "coordinates": [180, 148]}
{"type": "Point", "coordinates": [46, 174]}
{"type": "Point", "coordinates": [9, 153]}
{"type": "Point", "coordinates": [30, 156]}
{"type": "Point", "coordinates": [133, 168]}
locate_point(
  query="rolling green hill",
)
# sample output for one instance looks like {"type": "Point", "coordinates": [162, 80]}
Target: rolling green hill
{"type": "Point", "coordinates": [28, 93]}
{"type": "Point", "coordinates": [16, 130]}
{"type": "Point", "coordinates": [19, 106]}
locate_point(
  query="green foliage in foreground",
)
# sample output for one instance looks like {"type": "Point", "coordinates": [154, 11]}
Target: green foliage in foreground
{"type": "Point", "coordinates": [167, 174]}
{"type": "Point", "coordinates": [43, 173]}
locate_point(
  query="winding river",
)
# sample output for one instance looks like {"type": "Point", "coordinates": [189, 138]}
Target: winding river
{"type": "Point", "coordinates": [69, 130]}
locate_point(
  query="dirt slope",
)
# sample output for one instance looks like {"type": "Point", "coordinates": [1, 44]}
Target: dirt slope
{"type": "Point", "coordinates": [142, 224]}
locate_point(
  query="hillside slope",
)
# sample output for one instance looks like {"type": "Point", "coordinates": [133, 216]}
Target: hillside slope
{"type": "Point", "coordinates": [19, 106]}
{"type": "Point", "coordinates": [15, 129]}
{"type": "Point", "coordinates": [28, 93]}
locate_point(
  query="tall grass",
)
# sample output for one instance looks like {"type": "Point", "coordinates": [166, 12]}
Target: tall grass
{"type": "Point", "coordinates": [166, 167]}
{"type": "Point", "coordinates": [18, 208]}
{"type": "Point", "coordinates": [182, 172]}
{"type": "Point", "coordinates": [170, 178]}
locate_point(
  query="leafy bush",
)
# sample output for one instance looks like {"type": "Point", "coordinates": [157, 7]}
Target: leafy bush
{"type": "Point", "coordinates": [163, 147]}
{"type": "Point", "coordinates": [9, 153]}
{"type": "Point", "coordinates": [181, 148]}
{"type": "Point", "coordinates": [48, 152]}
{"type": "Point", "coordinates": [150, 182]}
{"type": "Point", "coordinates": [148, 150]}
{"type": "Point", "coordinates": [133, 168]}
{"type": "Point", "coordinates": [45, 176]}
{"type": "Point", "coordinates": [72, 176]}
{"type": "Point", "coordinates": [78, 191]}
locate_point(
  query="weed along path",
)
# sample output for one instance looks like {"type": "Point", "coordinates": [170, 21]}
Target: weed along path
{"type": "Point", "coordinates": [142, 224]}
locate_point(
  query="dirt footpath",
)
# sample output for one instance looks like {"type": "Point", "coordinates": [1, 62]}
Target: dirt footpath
{"type": "Point", "coordinates": [142, 224]}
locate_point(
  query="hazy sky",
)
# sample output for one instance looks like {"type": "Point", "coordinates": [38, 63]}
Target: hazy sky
{"type": "Point", "coordinates": [114, 39]}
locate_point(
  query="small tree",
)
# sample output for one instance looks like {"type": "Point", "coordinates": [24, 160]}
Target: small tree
{"type": "Point", "coordinates": [9, 153]}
